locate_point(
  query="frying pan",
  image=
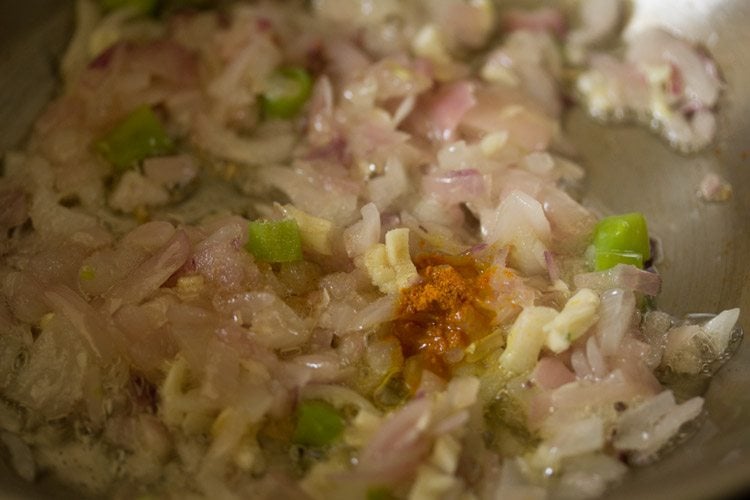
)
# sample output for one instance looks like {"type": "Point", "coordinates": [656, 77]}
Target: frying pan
{"type": "Point", "coordinates": [706, 246]}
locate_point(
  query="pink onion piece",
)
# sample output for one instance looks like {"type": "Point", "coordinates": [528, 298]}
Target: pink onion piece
{"type": "Point", "coordinates": [455, 187]}
{"type": "Point", "coordinates": [447, 107]}
{"type": "Point", "coordinates": [551, 373]}
{"type": "Point", "coordinates": [151, 274]}
{"type": "Point", "coordinates": [85, 319]}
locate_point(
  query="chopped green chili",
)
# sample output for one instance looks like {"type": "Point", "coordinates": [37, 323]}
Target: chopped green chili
{"type": "Point", "coordinates": [274, 241]}
{"type": "Point", "coordinates": [318, 424]}
{"type": "Point", "coordinates": [138, 136]}
{"type": "Point", "coordinates": [288, 90]}
{"type": "Point", "coordinates": [621, 239]}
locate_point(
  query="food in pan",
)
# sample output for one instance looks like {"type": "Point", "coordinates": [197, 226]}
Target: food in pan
{"type": "Point", "coordinates": [332, 249]}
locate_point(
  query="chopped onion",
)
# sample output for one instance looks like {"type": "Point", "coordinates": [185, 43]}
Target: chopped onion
{"type": "Point", "coordinates": [621, 276]}
{"type": "Point", "coordinates": [616, 313]}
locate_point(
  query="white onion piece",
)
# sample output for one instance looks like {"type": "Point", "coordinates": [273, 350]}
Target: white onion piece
{"type": "Point", "coordinates": [519, 221]}
{"type": "Point", "coordinates": [571, 223]}
{"type": "Point", "coordinates": [718, 330]}
{"type": "Point", "coordinates": [566, 402]}
{"type": "Point", "coordinates": [323, 367]}
{"type": "Point", "coordinates": [587, 476]}
{"type": "Point", "coordinates": [374, 313]}
{"type": "Point", "coordinates": [526, 125]}
{"type": "Point", "coordinates": [580, 364]}
{"type": "Point", "coordinates": [337, 201]}
{"type": "Point", "coordinates": [595, 358]}
{"type": "Point", "coordinates": [621, 276]}
{"type": "Point", "coordinates": [363, 234]}
{"type": "Point", "coordinates": [383, 191]}
{"type": "Point", "coordinates": [616, 312]}
{"type": "Point", "coordinates": [633, 424]}
{"type": "Point", "coordinates": [648, 426]}
{"type": "Point", "coordinates": [272, 322]}
{"type": "Point", "coordinates": [656, 46]}
{"type": "Point", "coordinates": [574, 438]}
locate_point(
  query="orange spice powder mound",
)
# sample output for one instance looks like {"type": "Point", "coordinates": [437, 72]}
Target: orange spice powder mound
{"type": "Point", "coordinates": [443, 311]}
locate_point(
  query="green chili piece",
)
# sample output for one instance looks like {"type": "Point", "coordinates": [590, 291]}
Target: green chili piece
{"type": "Point", "coordinates": [274, 241]}
{"type": "Point", "coordinates": [138, 136]}
{"type": "Point", "coordinates": [288, 90]}
{"type": "Point", "coordinates": [144, 7]}
{"type": "Point", "coordinates": [318, 424]}
{"type": "Point", "coordinates": [621, 239]}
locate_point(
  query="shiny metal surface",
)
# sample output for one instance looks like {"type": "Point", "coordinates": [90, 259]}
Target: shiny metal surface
{"type": "Point", "coordinates": [706, 246]}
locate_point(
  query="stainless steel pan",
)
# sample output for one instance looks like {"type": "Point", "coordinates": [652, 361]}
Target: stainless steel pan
{"type": "Point", "coordinates": [706, 246]}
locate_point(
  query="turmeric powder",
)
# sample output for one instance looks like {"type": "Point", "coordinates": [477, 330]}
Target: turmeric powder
{"type": "Point", "coordinates": [443, 312]}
